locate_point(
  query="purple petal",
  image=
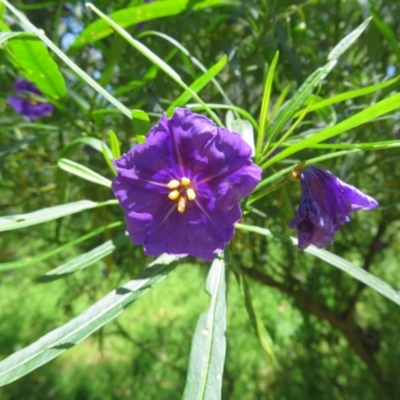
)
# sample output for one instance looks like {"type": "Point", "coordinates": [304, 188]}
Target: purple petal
{"type": "Point", "coordinates": [326, 203]}
{"type": "Point", "coordinates": [22, 85]}
{"type": "Point", "coordinates": [203, 230]}
{"type": "Point", "coordinates": [31, 110]}
{"type": "Point", "coordinates": [357, 199]}
{"type": "Point", "coordinates": [217, 163]}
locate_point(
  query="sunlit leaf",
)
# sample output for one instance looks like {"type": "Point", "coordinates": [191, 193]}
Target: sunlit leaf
{"type": "Point", "coordinates": [31, 260]}
{"type": "Point", "coordinates": [346, 42]}
{"type": "Point", "coordinates": [36, 65]}
{"type": "Point", "coordinates": [48, 214]}
{"type": "Point", "coordinates": [86, 259]}
{"type": "Point", "coordinates": [127, 17]}
{"type": "Point", "coordinates": [207, 355]}
{"type": "Point", "coordinates": [73, 332]}
{"type": "Point", "coordinates": [338, 262]}
{"type": "Point", "coordinates": [154, 58]}
{"type": "Point", "coordinates": [79, 71]}
{"type": "Point", "coordinates": [370, 113]}
{"type": "Point", "coordinates": [83, 172]}
{"type": "Point", "coordinates": [198, 84]}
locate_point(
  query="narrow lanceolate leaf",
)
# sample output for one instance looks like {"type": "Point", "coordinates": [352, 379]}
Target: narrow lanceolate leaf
{"type": "Point", "coordinates": [94, 143]}
{"type": "Point", "coordinates": [349, 95]}
{"type": "Point", "coordinates": [35, 63]}
{"type": "Point", "coordinates": [256, 322]}
{"type": "Point", "coordinates": [265, 104]}
{"type": "Point", "coordinates": [52, 252]}
{"type": "Point", "coordinates": [80, 72]}
{"type": "Point", "coordinates": [87, 259]}
{"type": "Point", "coordinates": [127, 17]}
{"type": "Point", "coordinates": [154, 58]}
{"type": "Point", "coordinates": [9, 35]}
{"type": "Point", "coordinates": [387, 32]}
{"type": "Point", "coordinates": [346, 42]}
{"type": "Point", "coordinates": [382, 107]}
{"type": "Point", "coordinates": [114, 144]}
{"type": "Point", "coordinates": [204, 380]}
{"type": "Point", "coordinates": [287, 111]}
{"type": "Point", "coordinates": [109, 307]}
{"type": "Point", "coordinates": [198, 84]}
{"type": "Point", "coordinates": [338, 262]}
{"type": "Point", "coordinates": [246, 131]}
{"type": "Point", "coordinates": [83, 172]}
{"type": "Point", "coordinates": [48, 214]}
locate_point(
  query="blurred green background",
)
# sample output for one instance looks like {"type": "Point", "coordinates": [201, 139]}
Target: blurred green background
{"type": "Point", "coordinates": [332, 337]}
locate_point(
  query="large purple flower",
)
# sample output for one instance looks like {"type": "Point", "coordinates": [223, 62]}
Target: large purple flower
{"type": "Point", "coordinates": [29, 100]}
{"type": "Point", "coordinates": [326, 203]}
{"type": "Point", "coordinates": [180, 190]}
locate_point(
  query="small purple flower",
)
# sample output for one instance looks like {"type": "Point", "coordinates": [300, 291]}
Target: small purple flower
{"type": "Point", "coordinates": [27, 102]}
{"type": "Point", "coordinates": [326, 203]}
{"type": "Point", "coordinates": [180, 189]}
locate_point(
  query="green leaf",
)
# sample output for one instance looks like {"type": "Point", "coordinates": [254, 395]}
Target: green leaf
{"type": "Point", "coordinates": [236, 110]}
{"type": "Point", "coordinates": [154, 58]}
{"type": "Point", "coordinates": [50, 253]}
{"type": "Point", "coordinates": [109, 307]}
{"type": "Point", "coordinates": [94, 143]}
{"type": "Point", "coordinates": [353, 148]}
{"type": "Point", "coordinates": [198, 64]}
{"type": "Point", "coordinates": [206, 365]}
{"type": "Point", "coordinates": [82, 74]}
{"type": "Point", "coordinates": [387, 32]}
{"type": "Point", "coordinates": [86, 259]}
{"type": "Point", "coordinates": [37, 66]}
{"type": "Point", "coordinates": [62, 176]}
{"type": "Point", "coordinates": [199, 5]}
{"type": "Point", "coordinates": [4, 36]}
{"type": "Point", "coordinates": [346, 42]}
{"type": "Point", "coordinates": [356, 272]}
{"type": "Point", "coordinates": [382, 107]}
{"type": "Point", "coordinates": [265, 104]}
{"type": "Point", "coordinates": [48, 214]}
{"type": "Point", "coordinates": [198, 84]}
{"type": "Point", "coordinates": [83, 172]}
{"type": "Point", "coordinates": [246, 131]}
{"type": "Point", "coordinates": [141, 122]}
{"type": "Point", "coordinates": [114, 144]}
{"type": "Point", "coordinates": [256, 322]}
{"type": "Point", "coordinates": [109, 160]}
{"type": "Point", "coordinates": [127, 17]}
{"type": "Point", "coordinates": [349, 95]}
{"type": "Point", "coordinates": [287, 111]}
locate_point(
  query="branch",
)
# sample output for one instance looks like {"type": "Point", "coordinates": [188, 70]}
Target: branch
{"type": "Point", "coordinates": [348, 328]}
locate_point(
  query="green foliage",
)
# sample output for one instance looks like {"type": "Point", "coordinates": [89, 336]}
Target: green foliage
{"type": "Point", "coordinates": [275, 322]}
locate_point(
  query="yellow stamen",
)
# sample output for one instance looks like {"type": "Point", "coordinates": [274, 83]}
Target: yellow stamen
{"type": "Point", "coordinates": [173, 184]}
{"type": "Point", "coordinates": [173, 195]}
{"type": "Point", "coordinates": [191, 194]}
{"type": "Point", "coordinates": [182, 204]}
{"type": "Point", "coordinates": [185, 181]}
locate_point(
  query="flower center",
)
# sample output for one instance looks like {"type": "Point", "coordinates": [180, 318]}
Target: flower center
{"type": "Point", "coordinates": [182, 191]}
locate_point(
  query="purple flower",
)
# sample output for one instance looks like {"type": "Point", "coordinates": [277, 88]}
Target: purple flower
{"type": "Point", "coordinates": [28, 102]}
{"type": "Point", "coordinates": [326, 203]}
{"type": "Point", "coordinates": [180, 189]}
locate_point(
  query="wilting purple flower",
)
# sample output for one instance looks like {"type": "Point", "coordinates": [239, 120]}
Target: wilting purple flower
{"type": "Point", "coordinates": [27, 102]}
{"type": "Point", "coordinates": [180, 189]}
{"type": "Point", "coordinates": [326, 203]}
